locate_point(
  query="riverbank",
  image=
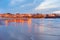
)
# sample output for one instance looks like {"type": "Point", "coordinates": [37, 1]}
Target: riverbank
{"type": "Point", "coordinates": [17, 15]}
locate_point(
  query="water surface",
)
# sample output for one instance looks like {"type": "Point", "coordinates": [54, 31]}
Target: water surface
{"type": "Point", "coordinates": [29, 29]}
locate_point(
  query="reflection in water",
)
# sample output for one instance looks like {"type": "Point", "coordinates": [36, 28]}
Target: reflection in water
{"type": "Point", "coordinates": [0, 23]}
{"type": "Point", "coordinates": [30, 29]}
{"type": "Point", "coordinates": [42, 26]}
{"type": "Point", "coordinates": [7, 21]}
{"type": "Point", "coordinates": [29, 24]}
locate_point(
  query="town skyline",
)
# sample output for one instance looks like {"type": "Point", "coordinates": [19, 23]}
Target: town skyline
{"type": "Point", "coordinates": [37, 15]}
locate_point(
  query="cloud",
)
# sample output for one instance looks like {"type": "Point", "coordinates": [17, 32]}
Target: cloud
{"type": "Point", "coordinates": [30, 6]}
{"type": "Point", "coordinates": [56, 11]}
{"type": "Point", "coordinates": [22, 2]}
{"type": "Point", "coordinates": [47, 10]}
{"type": "Point", "coordinates": [23, 5]}
{"type": "Point", "coordinates": [48, 4]}
{"type": "Point", "coordinates": [14, 2]}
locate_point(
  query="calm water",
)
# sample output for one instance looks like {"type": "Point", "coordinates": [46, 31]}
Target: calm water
{"type": "Point", "coordinates": [29, 29]}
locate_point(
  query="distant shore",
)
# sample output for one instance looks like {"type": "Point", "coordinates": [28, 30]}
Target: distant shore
{"type": "Point", "coordinates": [37, 15]}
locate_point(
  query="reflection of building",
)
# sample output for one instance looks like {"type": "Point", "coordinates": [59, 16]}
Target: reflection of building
{"type": "Point", "coordinates": [18, 21]}
{"type": "Point", "coordinates": [6, 22]}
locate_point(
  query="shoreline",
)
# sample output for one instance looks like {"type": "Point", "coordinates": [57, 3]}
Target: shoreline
{"type": "Point", "coordinates": [18, 16]}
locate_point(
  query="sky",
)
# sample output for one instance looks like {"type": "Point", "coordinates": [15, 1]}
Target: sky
{"type": "Point", "coordinates": [29, 6]}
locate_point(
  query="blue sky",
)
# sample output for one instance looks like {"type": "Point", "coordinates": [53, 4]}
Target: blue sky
{"type": "Point", "coordinates": [29, 6]}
